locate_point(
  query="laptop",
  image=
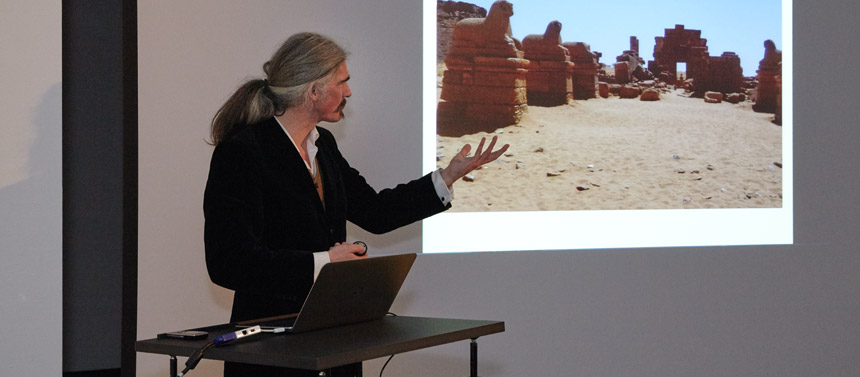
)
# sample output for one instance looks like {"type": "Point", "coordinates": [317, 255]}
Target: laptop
{"type": "Point", "coordinates": [344, 293]}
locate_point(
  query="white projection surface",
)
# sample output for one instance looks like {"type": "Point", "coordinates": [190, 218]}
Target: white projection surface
{"type": "Point", "coordinates": [595, 229]}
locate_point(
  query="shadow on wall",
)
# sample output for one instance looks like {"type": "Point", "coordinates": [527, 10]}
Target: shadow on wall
{"type": "Point", "coordinates": [26, 204]}
{"type": "Point", "coordinates": [29, 244]}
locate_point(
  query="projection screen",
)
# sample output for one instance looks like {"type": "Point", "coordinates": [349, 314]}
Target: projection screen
{"type": "Point", "coordinates": [612, 172]}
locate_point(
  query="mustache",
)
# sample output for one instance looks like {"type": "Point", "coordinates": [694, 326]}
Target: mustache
{"type": "Point", "coordinates": [340, 109]}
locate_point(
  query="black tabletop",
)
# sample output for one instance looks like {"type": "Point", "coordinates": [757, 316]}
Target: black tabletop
{"type": "Point", "coordinates": [323, 349]}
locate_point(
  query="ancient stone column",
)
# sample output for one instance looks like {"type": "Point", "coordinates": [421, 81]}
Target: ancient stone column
{"type": "Point", "coordinates": [767, 89]}
{"type": "Point", "coordinates": [548, 80]}
{"type": "Point", "coordinates": [726, 75]}
{"type": "Point", "coordinates": [484, 86]}
{"type": "Point", "coordinates": [584, 70]}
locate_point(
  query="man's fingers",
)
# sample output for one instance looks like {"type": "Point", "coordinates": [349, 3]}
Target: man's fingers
{"type": "Point", "coordinates": [465, 150]}
{"type": "Point", "coordinates": [482, 156]}
{"type": "Point", "coordinates": [490, 147]}
{"type": "Point", "coordinates": [480, 147]}
{"type": "Point", "coordinates": [495, 155]}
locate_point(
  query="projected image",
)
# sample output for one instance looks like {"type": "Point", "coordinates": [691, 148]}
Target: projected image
{"type": "Point", "coordinates": [629, 106]}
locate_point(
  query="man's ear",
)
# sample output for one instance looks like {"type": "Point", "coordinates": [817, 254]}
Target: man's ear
{"type": "Point", "coordinates": [313, 92]}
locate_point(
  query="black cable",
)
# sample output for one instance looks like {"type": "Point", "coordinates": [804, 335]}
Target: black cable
{"type": "Point", "coordinates": [219, 340]}
{"type": "Point", "coordinates": [195, 358]}
{"type": "Point", "coordinates": [385, 365]}
{"type": "Point", "coordinates": [390, 357]}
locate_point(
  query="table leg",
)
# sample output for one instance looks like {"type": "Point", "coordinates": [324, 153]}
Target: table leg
{"type": "Point", "coordinates": [473, 358]}
{"type": "Point", "coordinates": [173, 369]}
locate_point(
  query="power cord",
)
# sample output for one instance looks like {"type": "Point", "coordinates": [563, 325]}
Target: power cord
{"type": "Point", "coordinates": [390, 357]}
{"type": "Point", "coordinates": [383, 366]}
{"type": "Point", "coordinates": [194, 359]}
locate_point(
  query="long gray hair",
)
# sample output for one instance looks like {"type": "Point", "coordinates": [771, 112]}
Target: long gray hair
{"type": "Point", "coordinates": [305, 59]}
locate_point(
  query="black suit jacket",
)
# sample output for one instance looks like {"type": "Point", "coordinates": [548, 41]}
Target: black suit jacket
{"type": "Point", "coordinates": [264, 218]}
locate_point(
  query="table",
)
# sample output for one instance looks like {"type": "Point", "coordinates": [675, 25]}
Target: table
{"type": "Point", "coordinates": [323, 349]}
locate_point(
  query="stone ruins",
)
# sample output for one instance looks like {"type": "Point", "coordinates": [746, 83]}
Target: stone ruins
{"type": "Point", "coordinates": [629, 65]}
{"type": "Point", "coordinates": [709, 73]}
{"type": "Point", "coordinates": [586, 65]}
{"type": "Point", "coordinates": [548, 81]}
{"type": "Point", "coordinates": [769, 86]}
{"type": "Point", "coordinates": [490, 77]}
{"type": "Point", "coordinates": [484, 86]}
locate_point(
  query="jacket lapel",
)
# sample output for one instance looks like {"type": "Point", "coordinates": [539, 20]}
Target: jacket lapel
{"type": "Point", "coordinates": [328, 171]}
{"type": "Point", "coordinates": [289, 169]}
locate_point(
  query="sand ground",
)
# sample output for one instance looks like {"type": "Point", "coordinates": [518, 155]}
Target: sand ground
{"type": "Point", "coordinates": [616, 153]}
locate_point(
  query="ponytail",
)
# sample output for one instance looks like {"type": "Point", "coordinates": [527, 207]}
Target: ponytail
{"type": "Point", "coordinates": [251, 103]}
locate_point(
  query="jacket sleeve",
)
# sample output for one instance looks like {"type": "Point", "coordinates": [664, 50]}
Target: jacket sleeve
{"type": "Point", "coordinates": [389, 209]}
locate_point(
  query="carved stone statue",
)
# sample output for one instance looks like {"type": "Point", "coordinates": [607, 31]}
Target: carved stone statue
{"type": "Point", "coordinates": [547, 44]}
{"type": "Point", "coordinates": [496, 28]}
{"type": "Point", "coordinates": [484, 84]}
{"type": "Point", "coordinates": [768, 88]}
{"type": "Point", "coordinates": [772, 56]}
{"type": "Point", "coordinates": [548, 80]}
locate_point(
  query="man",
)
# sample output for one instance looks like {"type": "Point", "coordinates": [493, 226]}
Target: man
{"type": "Point", "coordinates": [279, 191]}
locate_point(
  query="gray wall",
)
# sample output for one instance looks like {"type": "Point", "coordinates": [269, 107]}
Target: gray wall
{"type": "Point", "coordinates": [31, 188]}
{"type": "Point", "coordinates": [765, 310]}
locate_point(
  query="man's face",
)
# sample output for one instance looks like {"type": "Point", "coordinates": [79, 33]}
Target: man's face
{"type": "Point", "coordinates": [332, 98]}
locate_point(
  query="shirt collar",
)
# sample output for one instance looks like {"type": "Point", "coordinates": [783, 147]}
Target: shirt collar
{"type": "Point", "coordinates": [311, 146]}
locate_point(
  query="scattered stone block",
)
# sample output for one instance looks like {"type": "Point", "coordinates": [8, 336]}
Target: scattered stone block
{"type": "Point", "coordinates": [713, 97]}
{"type": "Point", "coordinates": [650, 94]}
{"type": "Point", "coordinates": [629, 91]}
{"type": "Point", "coordinates": [603, 89]}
